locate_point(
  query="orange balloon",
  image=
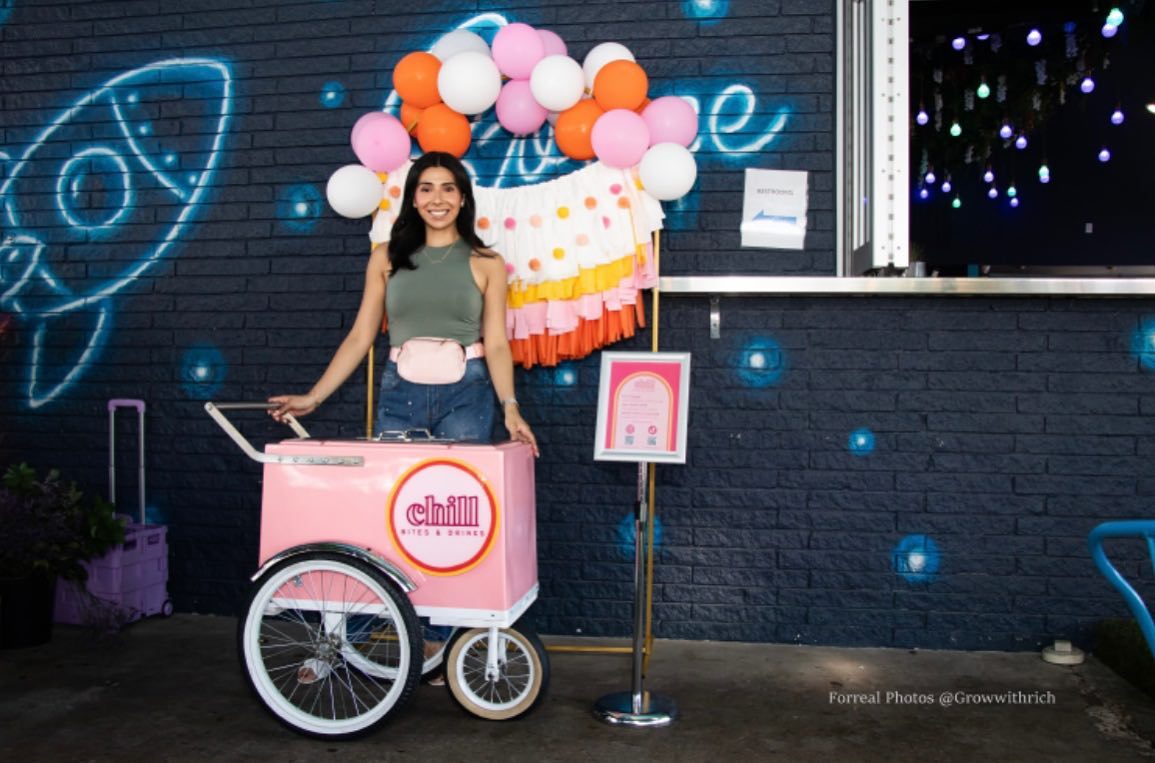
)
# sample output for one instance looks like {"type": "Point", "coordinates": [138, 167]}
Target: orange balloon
{"type": "Point", "coordinates": [574, 129]}
{"type": "Point", "coordinates": [621, 84]}
{"type": "Point", "coordinates": [415, 79]}
{"type": "Point", "coordinates": [410, 117]}
{"type": "Point", "coordinates": [443, 129]}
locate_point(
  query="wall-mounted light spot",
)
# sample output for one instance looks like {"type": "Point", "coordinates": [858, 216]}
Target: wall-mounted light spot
{"type": "Point", "coordinates": [626, 533]}
{"type": "Point", "coordinates": [1034, 37]}
{"type": "Point", "coordinates": [706, 10]}
{"type": "Point", "coordinates": [333, 94]}
{"type": "Point", "coordinates": [916, 558]}
{"type": "Point", "coordinates": [761, 363]}
{"type": "Point", "coordinates": [202, 371]}
{"type": "Point", "coordinates": [299, 207]}
{"type": "Point", "coordinates": [958, 43]}
{"type": "Point", "coordinates": [860, 442]}
{"type": "Point", "coordinates": [1143, 343]}
{"type": "Point", "coordinates": [565, 375]}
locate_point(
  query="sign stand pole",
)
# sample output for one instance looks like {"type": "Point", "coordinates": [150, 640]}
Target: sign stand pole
{"type": "Point", "coordinates": [638, 707]}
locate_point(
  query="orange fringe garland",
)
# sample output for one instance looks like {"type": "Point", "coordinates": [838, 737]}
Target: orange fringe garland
{"type": "Point", "coordinates": [551, 349]}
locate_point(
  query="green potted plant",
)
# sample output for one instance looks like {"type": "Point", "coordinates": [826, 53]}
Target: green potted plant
{"type": "Point", "coordinates": [49, 529]}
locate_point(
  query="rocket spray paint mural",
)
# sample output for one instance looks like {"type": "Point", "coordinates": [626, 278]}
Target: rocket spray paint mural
{"type": "Point", "coordinates": [100, 195]}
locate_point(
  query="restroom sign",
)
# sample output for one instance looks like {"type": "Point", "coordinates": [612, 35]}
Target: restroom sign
{"type": "Point", "coordinates": [643, 403]}
{"type": "Point", "coordinates": [442, 516]}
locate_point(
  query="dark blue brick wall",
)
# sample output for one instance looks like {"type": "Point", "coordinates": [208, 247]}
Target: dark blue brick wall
{"type": "Point", "coordinates": [1004, 429]}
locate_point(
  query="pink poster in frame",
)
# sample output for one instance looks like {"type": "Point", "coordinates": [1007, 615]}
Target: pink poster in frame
{"type": "Point", "coordinates": [643, 403]}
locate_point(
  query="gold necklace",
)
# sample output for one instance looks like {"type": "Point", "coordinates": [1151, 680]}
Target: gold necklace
{"type": "Point", "coordinates": [439, 260]}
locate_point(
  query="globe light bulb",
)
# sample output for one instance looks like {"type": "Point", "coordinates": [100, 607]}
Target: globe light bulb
{"type": "Point", "coordinates": [1034, 37]}
{"type": "Point", "coordinates": [1015, 203]}
{"type": "Point", "coordinates": [958, 43]}
{"type": "Point", "coordinates": [1115, 17]}
{"type": "Point", "coordinates": [1109, 30]}
{"type": "Point", "coordinates": [946, 186]}
{"type": "Point", "coordinates": [930, 177]}
{"type": "Point", "coordinates": [1044, 171]}
{"type": "Point", "coordinates": [1117, 117]}
{"type": "Point", "coordinates": [1005, 132]}
{"type": "Point", "coordinates": [993, 193]}
{"type": "Point", "coordinates": [1044, 179]}
{"type": "Point", "coordinates": [1012, 192]}
{"type": "Point", "coordinates": [956, 203]}
{"type": "Point", "coordinates": [955, 130]}
{"type": "Point", "coordinates": [922, 117]}
{"type": "Point", "coordinates": [1104, 155]}
{"type": "Point", "coordinates": [923, 193]}
{"type": "Point", "coordinates": [1087, 85]}
{"type": "Point", "coordinates": [988, 177]}
{"type": "Point", "coordinates": [1021, 142]}
{"type": "Point", "coordinates": [983, 91]}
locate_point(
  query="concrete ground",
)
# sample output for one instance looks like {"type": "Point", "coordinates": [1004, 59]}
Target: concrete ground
{"type": "Point", "coordinates": [171, 690]}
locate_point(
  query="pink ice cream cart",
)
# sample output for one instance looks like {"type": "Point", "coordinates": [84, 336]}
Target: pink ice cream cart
{"type": "Point", "coordinates": [361, 538]}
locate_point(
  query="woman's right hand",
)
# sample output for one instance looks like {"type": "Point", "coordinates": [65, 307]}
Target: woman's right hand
{"type": "Point", "coordinates": [297, 405]}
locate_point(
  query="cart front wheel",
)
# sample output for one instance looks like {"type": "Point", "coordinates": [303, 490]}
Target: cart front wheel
{"type": "Point", "coordinates": [329, 645]}
{"type": "Point", "coordinates": [501, 689]}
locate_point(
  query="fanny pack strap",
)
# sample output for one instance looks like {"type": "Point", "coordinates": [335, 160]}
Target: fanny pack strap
{"type": "Point", "coordinates": [475, 350]}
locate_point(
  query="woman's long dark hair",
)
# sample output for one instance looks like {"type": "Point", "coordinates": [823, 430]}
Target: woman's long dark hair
{"type": "Point", "coordinates": [409, 229]}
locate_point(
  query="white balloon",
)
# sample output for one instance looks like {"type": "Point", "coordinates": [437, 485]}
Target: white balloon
{"type": "Point", "coordinates": [557, 82]}
{"type": "Point", "coordinates": [602, 55]}
{"type": "Point", "coordinates": [668, 171]}
{"type": "Point", "coordinates": [459, 41]}
{"type": "Point", "coordinates": [354, 191]}
{"type": "Point", "coordinates": [469, 82]}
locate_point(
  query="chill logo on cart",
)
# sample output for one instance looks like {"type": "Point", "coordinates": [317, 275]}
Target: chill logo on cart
{"type": "Point", "coordinates": [442, 516]}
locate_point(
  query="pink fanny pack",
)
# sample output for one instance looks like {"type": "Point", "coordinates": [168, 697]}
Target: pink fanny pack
{"type": "Point", "coordinates": [428, 360]}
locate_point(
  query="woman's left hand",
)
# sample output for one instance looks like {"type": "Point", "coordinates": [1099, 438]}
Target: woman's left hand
{"type": "Point", "coordinates": [518, 429]}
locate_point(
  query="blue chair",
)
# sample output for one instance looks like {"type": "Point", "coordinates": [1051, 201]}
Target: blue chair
{"type": "Point", "coordinates": [1131, 528]}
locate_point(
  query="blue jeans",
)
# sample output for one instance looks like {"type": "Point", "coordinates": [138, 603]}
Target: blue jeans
{"type": "Point", "coordinates": [462, 411]}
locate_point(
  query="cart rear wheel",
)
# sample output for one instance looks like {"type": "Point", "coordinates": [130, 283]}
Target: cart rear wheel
{"type": "Point", "coordinates": [520, 682]}
{"type": "Point", "coordinates": [329, 645]}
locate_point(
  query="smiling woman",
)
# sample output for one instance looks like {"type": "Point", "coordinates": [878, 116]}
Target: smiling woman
{"type": "Point", "coordinates": [441, 291]}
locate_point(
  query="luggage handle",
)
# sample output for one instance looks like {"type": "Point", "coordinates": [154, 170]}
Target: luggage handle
{"type": "Point", "coordinates": [113, 404]}
{"type": "Point", "coordinates": [216, 410]}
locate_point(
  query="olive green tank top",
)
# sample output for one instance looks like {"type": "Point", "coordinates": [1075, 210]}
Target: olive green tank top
{"type": "Point", "coordinates": [438, 299]}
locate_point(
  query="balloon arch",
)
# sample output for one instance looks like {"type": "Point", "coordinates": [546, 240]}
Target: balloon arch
{"type": "Point", "coordinates": [578, 248]}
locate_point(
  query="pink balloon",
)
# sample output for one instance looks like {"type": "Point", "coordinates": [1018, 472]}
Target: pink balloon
{"type": "Point", "coordinates": [381, 142]}
{"type": "Point", "coordinates": [363, 122]}
{"type": "Point", "coordinates": [554, 44]}
{"type": "Point", "coordinates": [620, 138]}
{"type": "Point", "coordinates": [671, 120]}
{"type": "Point", "coordinates": [517, 110]}
{"type": "Point", "coordinates": [517, 48]}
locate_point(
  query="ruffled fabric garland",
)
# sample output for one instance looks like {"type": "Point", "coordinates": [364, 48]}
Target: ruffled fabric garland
{"type": "Point", "coordinates": [578, 252]}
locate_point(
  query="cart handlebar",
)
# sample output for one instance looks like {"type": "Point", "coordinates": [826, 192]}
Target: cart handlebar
{"type": "Point", "coordinates": [216, 411]}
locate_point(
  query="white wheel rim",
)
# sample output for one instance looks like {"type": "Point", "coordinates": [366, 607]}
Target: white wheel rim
{"type": "Point", "coordinates": [518, 671]}
{"type": "Point", "coordinates": [280, 631]}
